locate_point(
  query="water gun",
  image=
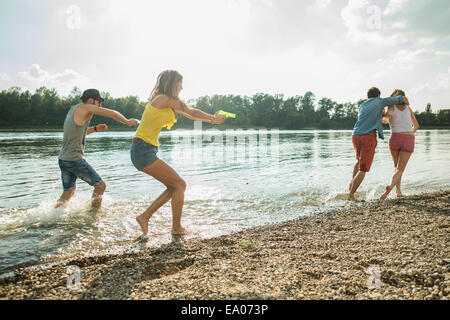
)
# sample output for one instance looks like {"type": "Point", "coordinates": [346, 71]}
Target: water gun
{"type": "Point", "coordinates": [227, 114]}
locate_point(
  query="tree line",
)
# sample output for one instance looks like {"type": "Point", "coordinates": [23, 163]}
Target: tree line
{"type": "Point", "coordinates": [46, 108]}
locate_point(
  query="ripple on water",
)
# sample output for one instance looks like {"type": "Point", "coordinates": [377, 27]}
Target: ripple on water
{"type": "Point", "coordinates": [310, 173]}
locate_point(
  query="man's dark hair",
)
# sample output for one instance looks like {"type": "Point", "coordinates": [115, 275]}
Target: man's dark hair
{"type": "Point", "coordinates": [91, 93]}
{"type": "Point", "coordinates": [373, 93]}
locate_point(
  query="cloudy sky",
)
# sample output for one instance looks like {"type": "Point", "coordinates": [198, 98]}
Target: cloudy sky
{"type": "Point", "coordinates": [334, 48]}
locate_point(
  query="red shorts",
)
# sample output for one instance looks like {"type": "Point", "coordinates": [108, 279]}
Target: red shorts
{"type": "Point", "coordinates": [364, 146]}
{"type": "Point", "coordinates": [402, 142]}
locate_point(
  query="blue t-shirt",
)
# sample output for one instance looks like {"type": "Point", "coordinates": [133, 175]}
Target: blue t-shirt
{"type": "Point", "coordinates": [369, 115]}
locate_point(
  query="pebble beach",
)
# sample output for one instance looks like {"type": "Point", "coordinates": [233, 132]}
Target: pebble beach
{"type": "Point", "coordinates": [396, 249]}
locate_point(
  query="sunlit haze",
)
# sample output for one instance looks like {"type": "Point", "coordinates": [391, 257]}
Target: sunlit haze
{"type": "Point", "coordinates": [336, 49]}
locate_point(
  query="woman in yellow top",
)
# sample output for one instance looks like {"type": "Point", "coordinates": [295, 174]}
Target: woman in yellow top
{"type": "Point", "coordinates": [159, 113]}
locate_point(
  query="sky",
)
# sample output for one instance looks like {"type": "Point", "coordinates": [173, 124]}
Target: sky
{"type": "Point", "coordinates": [334, 48]}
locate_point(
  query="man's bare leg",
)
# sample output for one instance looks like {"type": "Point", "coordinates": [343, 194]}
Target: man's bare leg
{"type": "Point", "coordinates": [65, 197]}
{"type": "Point", "coordinates": [355, 172]}
{"type": "Point", "coordinates": [355, 185]}
{"type": "Point", "coordinates": [97, 195]}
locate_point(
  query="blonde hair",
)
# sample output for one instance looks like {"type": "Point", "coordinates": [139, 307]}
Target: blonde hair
{"type": "Point", "coordinates": [167, 84]}
{"type": "Point", "coordinates": [398, 93]}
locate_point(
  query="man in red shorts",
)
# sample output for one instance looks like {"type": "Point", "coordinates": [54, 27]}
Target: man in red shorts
{"type": "Point", "coordinates": [365, 134]}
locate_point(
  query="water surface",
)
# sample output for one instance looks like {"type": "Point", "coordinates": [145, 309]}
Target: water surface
{"type": "Point", "coordinates": [236, 180]}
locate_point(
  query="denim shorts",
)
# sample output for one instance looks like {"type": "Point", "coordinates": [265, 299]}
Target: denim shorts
{"type": "Point", "coordinates": [142, 154]}
{"type": "Point", "coordinates": [71, 170]}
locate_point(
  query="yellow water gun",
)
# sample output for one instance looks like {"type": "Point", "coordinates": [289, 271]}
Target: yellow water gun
{"type": "Point", "coordinates": [227, 114]}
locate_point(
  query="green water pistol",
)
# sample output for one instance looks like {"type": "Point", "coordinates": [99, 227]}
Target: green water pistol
{"type": "Point", "coordinates": [227, 114]}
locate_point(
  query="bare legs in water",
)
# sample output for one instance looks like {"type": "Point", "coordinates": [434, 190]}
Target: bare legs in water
{"type": "Point", "coordinates": [401, 159]}
{"type": "Point", "coordinates": [97, 196]}
{"type": "Point", "coordinates": [175, 185]}
{"type": "Point", "coordinates": [358, 177]}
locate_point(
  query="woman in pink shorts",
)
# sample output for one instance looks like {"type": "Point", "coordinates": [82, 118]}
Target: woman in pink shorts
{"type": "Point", "coordinates": [403, 125]}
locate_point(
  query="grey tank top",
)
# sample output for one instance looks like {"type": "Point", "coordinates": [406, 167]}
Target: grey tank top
{"type": "Point", "coordinates": [74, 138]}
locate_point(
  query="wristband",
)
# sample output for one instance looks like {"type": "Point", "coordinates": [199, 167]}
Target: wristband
{"type": "Point", "coordinates": [95, 128]}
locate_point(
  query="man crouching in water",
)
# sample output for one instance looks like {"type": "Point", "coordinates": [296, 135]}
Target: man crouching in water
{"type": "Point", "coordinates": [71, 158]}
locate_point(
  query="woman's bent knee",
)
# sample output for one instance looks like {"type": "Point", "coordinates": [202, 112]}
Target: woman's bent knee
{"type": "Point", "coordinates": [181, 185]}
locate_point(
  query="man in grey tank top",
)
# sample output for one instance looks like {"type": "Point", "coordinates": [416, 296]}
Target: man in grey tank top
{"type": "Point", "coordinates": [71, 157]}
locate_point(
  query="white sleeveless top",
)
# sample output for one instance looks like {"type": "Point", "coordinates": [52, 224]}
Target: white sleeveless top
{"type": "Point", "coordinates": [401, 121]}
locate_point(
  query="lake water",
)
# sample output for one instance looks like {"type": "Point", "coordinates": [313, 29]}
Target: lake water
{"type": "Point", "coordinates": [235, 179]}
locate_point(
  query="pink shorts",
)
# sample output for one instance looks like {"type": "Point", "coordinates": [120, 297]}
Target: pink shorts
{"type": "Point", "coordinates": [402, 142]}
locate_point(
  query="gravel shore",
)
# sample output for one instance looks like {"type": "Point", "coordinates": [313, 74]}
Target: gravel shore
{"type": "Point", "coordinates": [397, 249]}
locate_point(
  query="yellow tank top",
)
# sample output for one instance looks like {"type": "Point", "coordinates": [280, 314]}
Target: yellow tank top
{"type": "Point", "coordinates": [153, 120]}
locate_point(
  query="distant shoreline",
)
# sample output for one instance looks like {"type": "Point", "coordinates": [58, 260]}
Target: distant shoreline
{"type": "Point", "coordinates": [324, 256]}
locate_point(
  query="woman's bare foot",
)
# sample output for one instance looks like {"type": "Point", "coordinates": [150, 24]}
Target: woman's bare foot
{"type": "Point", "coordinates": [399, 195]}
{"type": "Point", "coordinates": [351, 197]}
{"type": "Point", "coordinates": [143, 223]}
{"type": "Point", "coordinates": [179, 231]}
{"type": "Point", "coordinates": [384, 196]}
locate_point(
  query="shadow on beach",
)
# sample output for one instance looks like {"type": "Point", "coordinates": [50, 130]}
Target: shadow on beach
{"type": "Point", "coordinates": [323, 256]}
{"type": "Point", "coordinates": [121, 275]}
{"type": "Point", "coordinates": [438, 206]}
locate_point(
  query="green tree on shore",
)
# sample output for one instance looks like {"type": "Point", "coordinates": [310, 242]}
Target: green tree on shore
{"type": "Point", "coordinates": [46, 108]}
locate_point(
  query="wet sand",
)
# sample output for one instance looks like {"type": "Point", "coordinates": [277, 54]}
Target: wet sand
{"type": "Point", "coordinates": [396, 249]}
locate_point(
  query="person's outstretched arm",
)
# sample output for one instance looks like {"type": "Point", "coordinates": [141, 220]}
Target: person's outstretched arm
{"type": "Point", "coordinates": [113, 114]}
{"type": "Point", "coordinates": [391, 101]}
{"type": "Point", "coordinates": [196, 114]}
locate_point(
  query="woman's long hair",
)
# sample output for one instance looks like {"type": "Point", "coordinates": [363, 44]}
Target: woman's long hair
{"type": "Point", "coordinates": [398, 93]}
{"type": "Point", "coordinates": [167, 84]}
